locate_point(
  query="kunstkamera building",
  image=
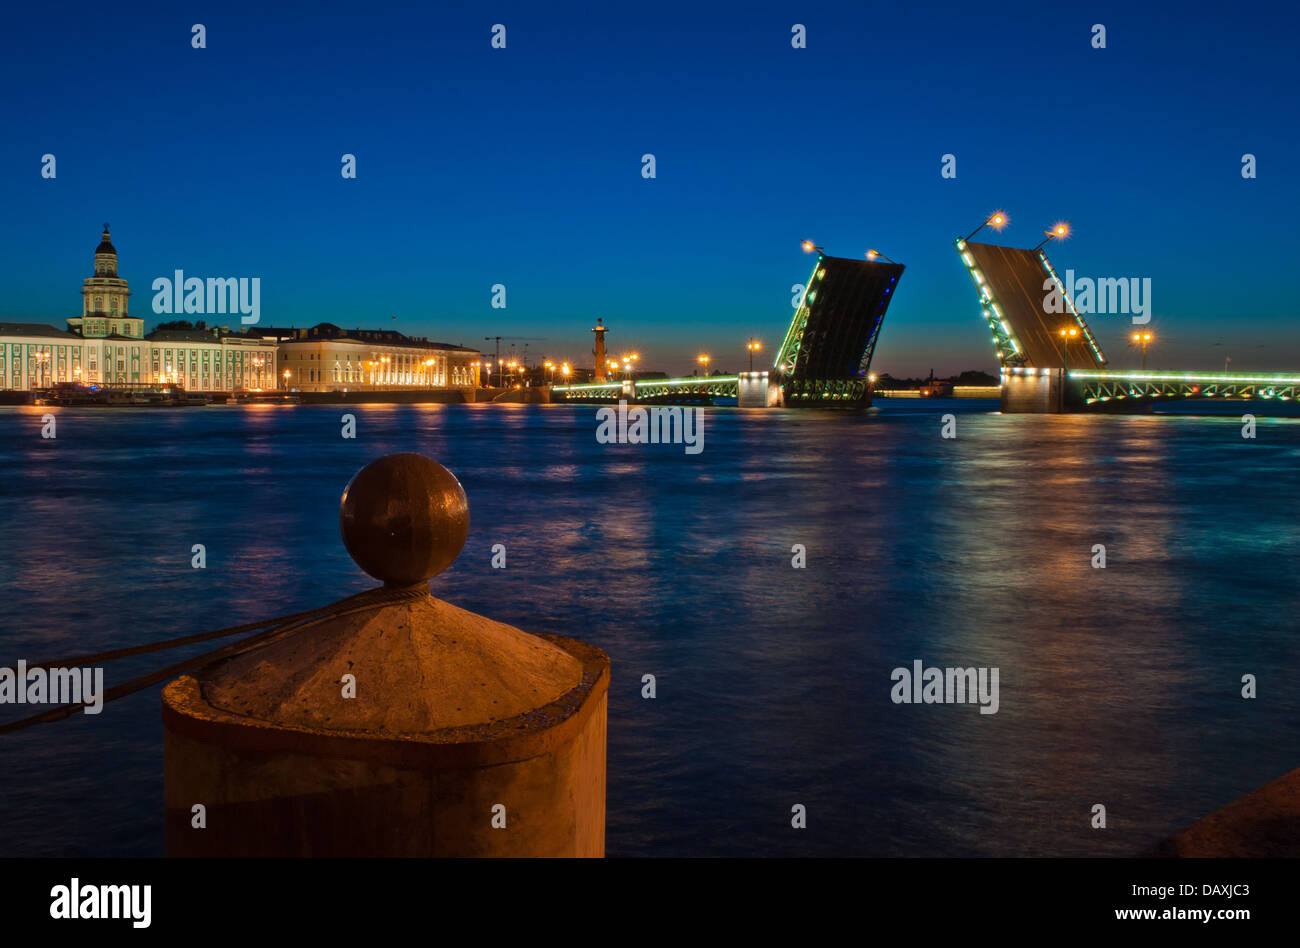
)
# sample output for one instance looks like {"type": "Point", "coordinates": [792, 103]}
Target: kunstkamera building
{"type": "Point", "coordinates": [106, 345]}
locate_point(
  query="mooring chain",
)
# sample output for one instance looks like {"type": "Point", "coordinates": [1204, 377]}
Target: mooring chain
{"type": "Point", "coordinates": [271, 630]}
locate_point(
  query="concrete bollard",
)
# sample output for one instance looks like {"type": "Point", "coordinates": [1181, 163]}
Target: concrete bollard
{"type": "Point", "coordinates": [400, 726]}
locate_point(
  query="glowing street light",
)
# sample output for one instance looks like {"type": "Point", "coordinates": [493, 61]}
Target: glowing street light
{"type": "Point", "coordinates": [753, 346]}
{"type": "Point", "coordinates": [810, 247]}
{"type": "Point", "coordinates": [873, 254]}
{"type": "Point", "coordinates": [1058, 232]}
{"type": "Point", "coordinates": [997, 220]}
{"type": "Point", "coordinates": [1144, 338]}
{"type": "Point", "coordinates": [1067, 334]}
{"type": "Point", "coordinates": [703, 360]}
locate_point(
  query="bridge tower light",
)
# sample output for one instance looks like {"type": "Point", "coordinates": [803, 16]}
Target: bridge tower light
{"type": "Point", "coordinates": [997, 220]}
{"type": "Point", "coordinates": [1059, 231]}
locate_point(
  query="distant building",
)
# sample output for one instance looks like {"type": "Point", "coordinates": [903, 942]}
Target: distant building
{"type": "Point", "coordinates": [36, 355]}
{"type": "Point", "coordinates": [326, 358]}
{"type": "Point", "coordinates": [105, 345]}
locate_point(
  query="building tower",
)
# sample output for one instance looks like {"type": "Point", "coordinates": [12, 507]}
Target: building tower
{"type": "Point", "coordinates": [600, 331]}
{"type": "Point", "coordinates": [104, 298]}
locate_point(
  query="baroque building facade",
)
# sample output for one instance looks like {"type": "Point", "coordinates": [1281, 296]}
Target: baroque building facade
{"type": "Point", "coordinates": [105, 345]}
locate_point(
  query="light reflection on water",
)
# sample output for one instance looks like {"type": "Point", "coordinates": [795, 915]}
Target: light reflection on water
{"type": "Point", "coordinates": [1118, 686]}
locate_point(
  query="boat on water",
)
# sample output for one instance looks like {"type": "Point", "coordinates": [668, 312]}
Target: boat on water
{"type": "Point", "coordinates": [74, 394]}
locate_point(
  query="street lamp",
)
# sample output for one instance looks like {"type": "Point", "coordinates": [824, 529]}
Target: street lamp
{"type": "Point", "coordinates": [42, 359]}
{"type": "Point", "coordinates": [549, 366]}
{"type": "Point", "coordinates": [287, 373]}
{"type": "Point", "coordinates": [997, 220]}
{"type": "Point", "coordinates": [873, 254]}
{"type": "Point", "coordinates": [753, 346]}
{"type": "Point", "coordinates": [1144, 338]}
{"type": "Point", "coordinates": [565, 370]}
{"type": "Point", "coordinates": [703, 360]}
{"type": "Point", "coordinates": [810, 247]}
{"type": "Point", "coordinates": [1067, 333]}
{"type": "Point", "coordinates": [1058, 232]}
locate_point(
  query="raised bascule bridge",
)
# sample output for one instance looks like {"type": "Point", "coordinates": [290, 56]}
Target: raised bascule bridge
{"type": "Point", "coordinates": [1050, 360]}
{"type": "Point", "coordinates": [824, 360]}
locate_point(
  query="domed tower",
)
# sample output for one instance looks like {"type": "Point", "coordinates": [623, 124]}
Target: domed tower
{"type": "Point", "coordinates": [104, 298]}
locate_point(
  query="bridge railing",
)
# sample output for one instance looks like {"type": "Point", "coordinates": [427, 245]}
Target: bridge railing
{"type": "Point", "coordinates": [715, 386]}
{"type": "Point", "coordinates": [1104, 386]}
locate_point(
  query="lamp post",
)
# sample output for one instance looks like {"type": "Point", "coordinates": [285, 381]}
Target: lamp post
{"type": "Point", "coordinates": [42, 359]}
{"type": "Point", "coordinates": [703, 360]}
{"type": "Point", "coordinates": [565, 370]}
{"type": "Point", "coordinates": [997, 220]}
{"type": "Point", "coordinates": [1143, 338]}
{"type": "Point", "coordinates": [753, 346]}
{"type": "Point", "coordinates": [1058, 232]}
{"type": "Point", "coordinates": [287, 373]}
{"type": "Point", "coordinates": [810, 247]}
{"type": "Point", "coordinates": [1067, 333]}
{"type": "Point", "coordinates": [873, 254]}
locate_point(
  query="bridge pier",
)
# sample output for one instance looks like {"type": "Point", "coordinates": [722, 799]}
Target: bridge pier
{"type": "Point", "coordinates": [1030, 391]}
{"type": "Point", "coordinates": [1037, 391]}
{"type": "Point", "coordinates": [755, 390]}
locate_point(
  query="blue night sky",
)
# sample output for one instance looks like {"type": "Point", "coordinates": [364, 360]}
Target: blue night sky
{"type": "Point", "coordinates": [523, 166]}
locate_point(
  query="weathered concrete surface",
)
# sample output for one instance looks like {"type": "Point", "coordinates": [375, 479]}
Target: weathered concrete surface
{"type": "Point", "coordinates": [454, 713]}
{"type": "Point", "coordinates": [1265, 822]}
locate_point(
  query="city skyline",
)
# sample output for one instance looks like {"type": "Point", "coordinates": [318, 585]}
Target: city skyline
{"type": "Point", "coordinates": [479, 167]}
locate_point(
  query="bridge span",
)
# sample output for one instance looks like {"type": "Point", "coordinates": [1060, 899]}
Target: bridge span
{"type": "Point", "coordinates": [1050, 360]}
{"type": "Point", "coordinates": [824, 360]}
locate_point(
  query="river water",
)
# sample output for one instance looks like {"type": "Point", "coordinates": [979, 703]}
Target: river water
{"type": "Point", "coordinates": [1118, 686]}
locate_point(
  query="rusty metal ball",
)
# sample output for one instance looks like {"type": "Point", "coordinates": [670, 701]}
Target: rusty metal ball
{"type": "Point", "coordinates": [404, 518]}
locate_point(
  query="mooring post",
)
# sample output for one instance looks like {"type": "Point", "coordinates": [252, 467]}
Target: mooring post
{"type": "Point", "coordinates": [398, 725]}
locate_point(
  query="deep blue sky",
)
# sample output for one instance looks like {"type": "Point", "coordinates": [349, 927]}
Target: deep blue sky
{"type": "Point", "coordinates": [522, 166]}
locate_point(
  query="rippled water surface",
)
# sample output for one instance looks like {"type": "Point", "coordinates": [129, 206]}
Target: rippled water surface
{"type": "Point", "coordinates": [1118, 686]}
